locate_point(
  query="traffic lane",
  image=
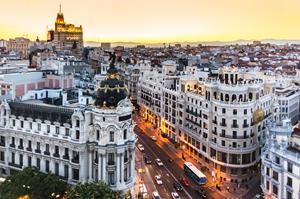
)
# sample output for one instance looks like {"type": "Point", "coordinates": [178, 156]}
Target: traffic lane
{"type": "Point", "coordinates": [150, 145]}
{"type": "Point", "coordinates": [176, 169]}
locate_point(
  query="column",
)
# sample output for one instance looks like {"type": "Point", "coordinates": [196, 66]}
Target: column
{"type": "Point", "coordinates": [104, 167]}
{"type": "Point", "coordinates": [91, 165]}
{"type": "Point", "coordinates": [118, 168]}
{"type": "Point", "coordinates": [132, 164]}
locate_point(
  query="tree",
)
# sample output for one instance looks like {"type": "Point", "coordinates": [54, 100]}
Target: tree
{"type": "Point", "coordinates": [33, 183]}
{"type": "Point", "coordinates": [92, 190]}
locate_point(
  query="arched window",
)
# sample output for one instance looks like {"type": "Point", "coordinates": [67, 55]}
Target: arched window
{"type": "Point", "coordinates": [221, 96]}
{"type": "Point", "coordinates": [111, 136]}
{"type": "Point", "coordinates": [233, 98]}
{"type": "Point", "coordinates": [125, 134]}
{"type": "Point", "coordinates": [226, 97]}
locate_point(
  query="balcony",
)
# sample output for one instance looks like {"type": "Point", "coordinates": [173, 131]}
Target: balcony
{"type": "Point", "coordinates": [15, 165]}
{"type": "Point", "coordinates": [29, 149]}
{"type": "Point", "coordinates": [234, 126]}
{"type": "Point", "coordinates": [245, 125]}
{"type": "Point", "coordinates": [56, 155]}
{"type": "Point", "coordinates": [2, 143]}
{"type": "Point", "coordinates": [20, 147]}
{"type": "Point", "coordinates": [12, 145]}
{"type": "Point", "coordinates": [46, 153]}
{"type": "Point", "coordinates": [223, 124]}
{"type": "Point", "coordinates": [214, 122]}
{"type": "Point", "coordinates": [38, 150]}
{"type": "Point", "coordinates": [66, 157]}
{"type": "Point", "coordinates": [75, 160]}
{"type": "Point", "coordinates": [111, 163]}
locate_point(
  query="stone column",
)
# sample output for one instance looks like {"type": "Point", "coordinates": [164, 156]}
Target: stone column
{"type": "Point", "coordinates": [100, 159]}
{"type": "Point", "coordinates": [90, 166]}
{"type": "Point", "coordinates": [104, 167]}
{"type": "Point", "coordinates": [118, 168]}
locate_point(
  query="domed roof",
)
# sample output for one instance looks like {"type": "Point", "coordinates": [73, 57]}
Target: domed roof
{"type": "Point", "coordinates": [112, 90]}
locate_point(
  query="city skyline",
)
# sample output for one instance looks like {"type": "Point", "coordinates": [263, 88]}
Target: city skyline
{"type": "Point", "coordinates": [155, 21]}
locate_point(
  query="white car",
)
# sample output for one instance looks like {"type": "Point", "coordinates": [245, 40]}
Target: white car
{"type": "Point", "coordinates": [159, 162]}
{"type": "Point", "coordinates": [154, 138]}
{"type": "Point", "coordinates": [155, 195]}
{"type": "Point", "coordinates": [158, 180]}
{"type": "Point", "coordinates": [175, 195]}
{"type": "Point", "coordinates": [140, 147]}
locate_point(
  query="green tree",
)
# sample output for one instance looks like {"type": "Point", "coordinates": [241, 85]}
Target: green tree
{"type": "Point", "coordinates": [92, 190]}
{"type": "Point", "coordinates": [30, 181]}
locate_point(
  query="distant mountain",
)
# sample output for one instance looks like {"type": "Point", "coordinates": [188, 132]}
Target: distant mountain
{"type": "Point", "coordinates": [208, 43]}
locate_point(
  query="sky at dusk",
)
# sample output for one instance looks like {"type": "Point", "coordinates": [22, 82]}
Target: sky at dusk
{"type": "Point", "coordinates": [156, 20]}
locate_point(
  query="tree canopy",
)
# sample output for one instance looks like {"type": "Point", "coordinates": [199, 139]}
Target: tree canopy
{"type": "Point", "coordinates": [92, 190]}
{"type": "Point", "coordinates": [33, 183]}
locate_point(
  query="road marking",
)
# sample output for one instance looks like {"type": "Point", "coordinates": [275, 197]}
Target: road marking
{"type": "Point", "coordinates": [185, 191]}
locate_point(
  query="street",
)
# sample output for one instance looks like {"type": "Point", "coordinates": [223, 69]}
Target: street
{"type": "Point", "coordinates": [171, 172]}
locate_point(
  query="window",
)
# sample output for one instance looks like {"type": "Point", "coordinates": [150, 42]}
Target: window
{"type": "Point", "coordinates": [47, 166]}
{"type": "Point", "coordinates": [14, 122]}
{"type": "Point", "coordinates": [111, 159]}
{"type": "Point", "coordinates": [277, 160]}
{"type": "Point", "coordinates": [57, 130]}
{"type": "Point", "coordinates": [234, 112]}
{"type": "Point", "coordinates": [77, 123]}
{"type": "Point", "coordinates": [29, 161]}
{"type": "Point", "coordinates": [47, 148]}
{"type": "Point", "coordinates": [21, 143]}
{"type": "Point", "coordinates": [245, 111]}
{"type": "Point", "coordinates": [289, 182]}
{"type": "Point", "coordinates": [223, 110]}
{"type": "Point", "coordinates": [56, 169]}
{"type": "Point", "coordinates": [13, 157]}
{"type": "Point", "coordinates": [75, 174]}
{"type": "Point", "coordinates": [77, 134]}
{"type": "Point", "coordinates": [290, 167]}
{"type": "Point", "coordinates": [21, 159]}
{"type": "Point", "coordinates": [223, 143]}
{"type": "Point", "coordinates": [125, 134]}
{"type": "Point", "coordinates": [22, 124]}
{"type": "Point", "coordinates": [13, 141]}
{"type": "Point", "coordinates": [111, 178]}
{"type": "Point", "coordinates": [67, 133]}
{"type": "Point", "coordinates": [268, 171]}
{"type": "Point", "coordinates": [48, 128]}
{"type": "Point", "coordinates": [39, 127]}
{"type": "Point", "coordinates": [38, 163]}
{"type": "Point", "coordinates": [275, 175]}
{"type": "Point", "coordinates": [111, 136]}
{"type": "Point", "coordinates": [30, 125]}
{"type": "Point", "coordinates": [66, 171]}
{"type": "Point", "coordinates": [275, 190]}
{"type": "Point", "coordinates": [2, 156]}
{"type": "Point", "coordinates": [29, 144]}
{"type": "Point", "coordinates": [288, 195]}
{"type": "Point", "coordinates": [98, 134]}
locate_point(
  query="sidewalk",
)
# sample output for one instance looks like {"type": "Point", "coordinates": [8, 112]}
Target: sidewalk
{"type": "Point", "coordinates": [235, 191]}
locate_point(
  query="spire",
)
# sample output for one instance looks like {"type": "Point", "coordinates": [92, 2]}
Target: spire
{"type": "Point", "coordinates": [60, 8]}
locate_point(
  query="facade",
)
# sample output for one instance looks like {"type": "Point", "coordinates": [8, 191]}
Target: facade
{"type": "Point", "coordinates": [20, 45]}
{"type": "Point", "coordinates": [289, 101]}
{"type": "Point", "coordinates": [280, 162]}
{"type": "Point", "coordinates": [76, 142]}
{"type": "Point", "coordinates": [66, 36]}
{"type": "Point", "coordinates": [218, 121]}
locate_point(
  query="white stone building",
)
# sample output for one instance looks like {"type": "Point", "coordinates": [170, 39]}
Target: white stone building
{"type": "Point", "coordinates": [77, 143]}
{"type": "Point", "coordinates": [280, 169]}
{"type": "Point", "coordinates": [218, 121]}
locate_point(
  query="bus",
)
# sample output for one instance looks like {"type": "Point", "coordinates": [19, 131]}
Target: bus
{"type": "Point", "coordinates": [195, 174]}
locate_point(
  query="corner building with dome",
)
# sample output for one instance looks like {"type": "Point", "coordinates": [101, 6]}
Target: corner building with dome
{"type": "Point", "coordinates": [76, 143]}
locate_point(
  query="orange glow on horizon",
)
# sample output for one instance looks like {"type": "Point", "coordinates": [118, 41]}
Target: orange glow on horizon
{"type": "Point", "coordinates": [154, 21]}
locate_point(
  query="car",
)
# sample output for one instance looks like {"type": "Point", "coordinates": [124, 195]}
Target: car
{"type": "Point", "coordinates": [184, 181]}
{"type": "Point", "coordinates": [147, 160]}
{"type": "Point", "coordinates": [159, 162]}
{"type": "Point", "coordinates": [158, 179]}
{"type": "Point", "coordinates": [175, 195]}
{"type": "Point", "coordinates": [177, 186]}
{"type": "Point", "coordinates": [155, 195]}
{"type": "Point", "coordinates": [258, 196]}
{"type": "Point", "coordinates": [201, 192]}
{"type": "Point", "coordinates": [141, 147]}
{"type": "Point", "coordinates": [153, 137]}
